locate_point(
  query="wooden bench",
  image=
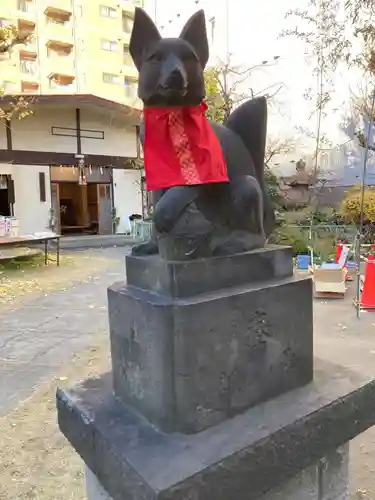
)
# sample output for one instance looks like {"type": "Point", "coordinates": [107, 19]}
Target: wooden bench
{"type": "Point", "coordinates": [34, 239]}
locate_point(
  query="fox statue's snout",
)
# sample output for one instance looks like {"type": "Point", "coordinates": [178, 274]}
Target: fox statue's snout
{"type": "Point", "coordinates": [173, 80]}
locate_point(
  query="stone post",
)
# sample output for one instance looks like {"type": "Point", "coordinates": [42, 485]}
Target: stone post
{"type": "Point", "coordinates": [213, 393]}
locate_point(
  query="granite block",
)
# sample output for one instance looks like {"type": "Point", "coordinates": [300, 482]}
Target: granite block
{"type": "Point", "coordinates": [141, 337]}
{"type": "Point", "coordinates": [186, 279]}
{"type": "Point", "coordinates": [94, 489]}
{"type": "Point", "coordinates": [246, 456]}
{"type": "Point", "coordinates": [334, 473]}
{"type": "Point", "coordinates": [303, 486]}
{"type": "Point", "coordinates": [190, 363]}
{"type": "Point", "coordinates": [306, 485]}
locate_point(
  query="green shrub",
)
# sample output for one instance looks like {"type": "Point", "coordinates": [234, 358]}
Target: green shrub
{"type": "Point", "coordinates": [323, 245]}
{"type": "Point", "coordinates": [351, 205]}
{"type": "Point", "coordinates": [303, 217]}
{"type": "Point", "coordinates": [290, 236]}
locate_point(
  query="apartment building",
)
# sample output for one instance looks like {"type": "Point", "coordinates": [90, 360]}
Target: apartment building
{"type": "Point", "coordinates": [77, 47]}
{"type": "Point", "coordinates": [67, 165]}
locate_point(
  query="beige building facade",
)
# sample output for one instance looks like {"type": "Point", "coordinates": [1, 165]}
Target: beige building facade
{"type": "Point", "coordinates": [77, 47]}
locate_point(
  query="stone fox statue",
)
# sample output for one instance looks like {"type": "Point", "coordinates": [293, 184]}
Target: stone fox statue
{"type": "Point", "coordinates": [207, 179]}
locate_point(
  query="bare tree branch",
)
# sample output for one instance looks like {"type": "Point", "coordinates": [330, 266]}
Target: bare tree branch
{"type": "Point", "coordinates": [227, 80]}
{"type": "Point", "coordinates": [276, 147]}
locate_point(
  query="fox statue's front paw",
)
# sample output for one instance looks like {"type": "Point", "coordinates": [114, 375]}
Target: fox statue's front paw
{"type": "Point", "coordinates": [148, 248]}
{"type": "Point", "coordinates": [164, 219]}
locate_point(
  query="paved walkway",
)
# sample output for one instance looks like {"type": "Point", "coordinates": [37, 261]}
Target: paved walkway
{"type": "Point", "coordinates": [36, 339]}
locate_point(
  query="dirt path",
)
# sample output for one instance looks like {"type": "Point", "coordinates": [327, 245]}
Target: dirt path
{"type": "Point", "coordinates": [36, 461]}
{"type": "Point", "coordinates": [54, 322]}
{"type": "Point", "coordinates": [20, 286]}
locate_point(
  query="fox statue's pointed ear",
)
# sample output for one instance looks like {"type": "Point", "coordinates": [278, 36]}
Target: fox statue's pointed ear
{"type": "Point", "coordinates": [144, 34]}
{"type": "Point", "coordinates": [195, 33]}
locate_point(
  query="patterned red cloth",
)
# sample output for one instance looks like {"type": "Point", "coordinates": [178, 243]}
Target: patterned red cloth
{"type": "Point", "coordinates": [180, 148]}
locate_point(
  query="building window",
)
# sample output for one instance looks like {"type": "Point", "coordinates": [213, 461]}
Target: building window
{"type": "Point", "coordinates": [42, 187]}
{"type": "Point", "coordinates": [79, 11]}
{"type": "Point", "coordinates": [9, 87]}
{"type": "Point", "coordinates": [28, 67]}
{"type": "Point", "coordinates": [127, 59]}
{"type": "Point", "coordinates": [109, 45]}
{"type": "Point", "coordinates": [127, 24]}
{"type": "Point", "coordinates": [61, 85]}
{"type": "Point", "coordinates": [26, 5]}
{"type": "Point", "coordinates": [4, 22]}
{"type": "Point", "coordinates": [130, 87]}
{"type": "Point", "coordinates": [83, 79]}
{"type": "Point", "coordinates": [110, 78]}
{"type": "Point", "coordinates": [108, 11]}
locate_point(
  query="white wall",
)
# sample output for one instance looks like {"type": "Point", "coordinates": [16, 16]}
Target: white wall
{"type": "Point", "coordinates": [32, 213]}
{"type": "Point", "coordinates": [6, 169]}
{"type": "Point", "coordinates": [34, 133]}
{"type": "Point", "coordinates": [119, 139]}
{"type": "Point", "coordinates": [127, 195]}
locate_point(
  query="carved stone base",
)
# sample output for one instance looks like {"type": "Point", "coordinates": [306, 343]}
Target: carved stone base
{"type": "Point", "coordinates": [196, 343]}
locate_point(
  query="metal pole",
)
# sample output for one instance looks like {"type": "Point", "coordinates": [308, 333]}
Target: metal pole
{"type": "Point", "coordinates": [156, 12]}
{"type": "Point", "coordinates": [227, 27]}
{"type": "Point", "coordinates": [359, 236]}
{"type": "Point", "coordinates": [320, 88]}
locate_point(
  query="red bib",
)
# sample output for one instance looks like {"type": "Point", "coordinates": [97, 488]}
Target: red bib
{"type": "Point", "coordinates": [180, 148]}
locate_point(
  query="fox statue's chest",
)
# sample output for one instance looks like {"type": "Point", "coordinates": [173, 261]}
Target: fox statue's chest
{"type": "Point", "coordinates": [237, 157]}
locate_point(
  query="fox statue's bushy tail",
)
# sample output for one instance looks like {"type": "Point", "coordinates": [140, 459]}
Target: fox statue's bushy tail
{"type": "Point", "coordinates": [249, 121]}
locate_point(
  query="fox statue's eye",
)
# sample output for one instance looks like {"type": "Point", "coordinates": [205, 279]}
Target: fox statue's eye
{"type": "Point", "coordinates": [188, 57]}
{"type": "Point", "coordinates": [156, 57]}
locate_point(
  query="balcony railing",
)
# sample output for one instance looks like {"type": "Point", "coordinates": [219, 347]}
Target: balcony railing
{"type": "Point", "coordinates": [60, 8]}
{"type": "Point", "coordinates": [30, 87]}
{"type": "Point", "coordinates": [59, 88]}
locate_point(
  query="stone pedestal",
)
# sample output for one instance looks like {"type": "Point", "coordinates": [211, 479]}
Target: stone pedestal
{"type": "Point", "coordinates": [328, 479]}
{"type": "Point", "coordinates": [212, 394]}
{"type": "Point", "coordinates": [194, 343]}
{"type": "Point", "coordinates": [261, 451]}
